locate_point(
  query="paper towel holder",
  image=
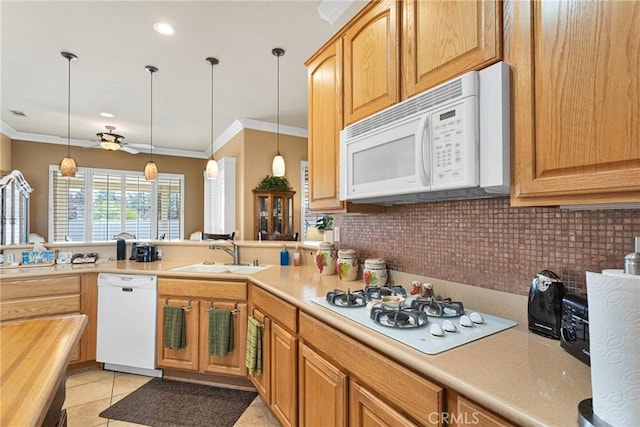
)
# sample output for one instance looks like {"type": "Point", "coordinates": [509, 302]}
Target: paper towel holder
{"type": "Point", "coordinates": [586, 417]}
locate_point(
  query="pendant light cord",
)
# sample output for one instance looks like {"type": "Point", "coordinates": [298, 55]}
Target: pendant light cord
{"type": "Point", "coordinates": [212, 64]}
{"type": "Point", "coordinates": [278, 109]}
{"type": "Point", "coordinates": [69, 110]}
{"type": "Point", "coordinates": [151, 133]}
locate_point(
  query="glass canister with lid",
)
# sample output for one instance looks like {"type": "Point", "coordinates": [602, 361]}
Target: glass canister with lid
{"type": "Point", "coordinates": [375, 272]}
{"type": "Point", "coordinates": [326, 259]}
{"type": "Point", "coordinates": [347, 265]}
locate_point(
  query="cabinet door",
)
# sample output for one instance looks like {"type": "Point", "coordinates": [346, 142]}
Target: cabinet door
{"type": "Point", "coordinates": [262, 214]}
{"type": "Point", "coordinates": [322, 391]}
{"type": "Point", "coordinates": [365, 409]}
{"type": "Point", "coordinates": [262, 382]}
{"type": "Point", "coordinates": [371, 62]}
{"type": "Point", "coordinates": [325, 124]}
{"type": "Point", "coordinates": [233, 363]}
{"type": "Point", "coordinates": [463, 412]}
{"type": "Point", "coordinates": [443, 39]}
{"type": "Point", "coordinates": [185, 358]}
{"type": "Point", "coordinates": [576, 101]}
{"type": "Point", "coordinates": [284, 380]}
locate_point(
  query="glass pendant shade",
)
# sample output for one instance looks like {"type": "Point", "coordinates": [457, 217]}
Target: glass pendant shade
{"type": "Point", "coordinates": [212, 169]}
{"type": "Point", "coordinates": [68, 167]}
{"type": "Point", "coordinates": [109, 145]}
{"type": "Point", "coordinates": [150, 171]}
{"type": "Point", "coordinates": [277, 167]}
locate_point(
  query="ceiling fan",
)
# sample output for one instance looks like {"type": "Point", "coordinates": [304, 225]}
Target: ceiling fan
{"type": "Point", "coordinates": [113, 142]}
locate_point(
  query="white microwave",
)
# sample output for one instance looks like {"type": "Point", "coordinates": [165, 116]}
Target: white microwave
{"type": "Point", "coordinates": [450, 142]}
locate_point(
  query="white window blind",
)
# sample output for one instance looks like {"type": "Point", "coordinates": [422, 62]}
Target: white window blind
{"type": "Point", "coordinates": [308, 218]}
{"type": "Point", "coordinates": [220, 199]}
{"type": "Point", "coordinates": [117, 201]}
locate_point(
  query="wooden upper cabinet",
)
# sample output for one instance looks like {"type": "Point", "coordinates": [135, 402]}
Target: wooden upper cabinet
{"type": "Point", "coordinates": [576, 101]}
{"type": "Point", "coordinates": [443, 39]}
{"type": "Point", "coordinates": [371, 61]}
{"type": "Point", "coordinates": [325, 124]}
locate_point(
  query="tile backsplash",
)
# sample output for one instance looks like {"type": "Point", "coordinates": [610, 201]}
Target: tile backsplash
{"type": "Point", "coordinates": [489, 244]}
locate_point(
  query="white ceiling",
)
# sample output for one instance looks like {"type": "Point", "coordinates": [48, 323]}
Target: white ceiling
{"type": "Point", "coordinates": [114, 41]}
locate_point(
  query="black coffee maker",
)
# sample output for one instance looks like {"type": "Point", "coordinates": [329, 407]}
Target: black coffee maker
{"type": "Point", "coordinates": [545, 304]}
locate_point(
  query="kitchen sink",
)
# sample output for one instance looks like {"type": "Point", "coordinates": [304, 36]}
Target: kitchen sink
{"type": "Point", "coordinates": [221, 268]}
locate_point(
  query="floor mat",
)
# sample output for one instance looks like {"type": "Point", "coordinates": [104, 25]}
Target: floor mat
{"type": "Point", "coordinates": [166, 403]}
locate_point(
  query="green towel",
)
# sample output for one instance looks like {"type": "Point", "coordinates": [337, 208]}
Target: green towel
{"type": "Point", "coordinates": [175, 335]}
{"type": "Point", "coordinates": [253, 356]}
{"type": "Point", "coordinates": [220, 332]}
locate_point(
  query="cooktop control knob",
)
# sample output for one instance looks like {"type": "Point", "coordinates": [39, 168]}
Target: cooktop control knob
{"type": "Point", "coordinates": [436, 330]}
{"type": "Point", "coordinates": [465, 321]}
{"type": "Point", "coordinates": [448, 326]}
{"type": "Point", "coordinates": [476, 318]}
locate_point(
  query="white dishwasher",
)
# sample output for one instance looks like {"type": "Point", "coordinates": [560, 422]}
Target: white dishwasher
{"type": "Point", "coordinates": [127, 323]}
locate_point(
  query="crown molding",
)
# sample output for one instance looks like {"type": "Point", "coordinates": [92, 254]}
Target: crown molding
{"type": "Point", "coordinates": [236, 127]}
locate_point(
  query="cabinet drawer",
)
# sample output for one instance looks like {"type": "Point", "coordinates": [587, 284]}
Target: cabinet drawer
{"type": "Point", "coordinates": [272, 306]}
{"type": "Point", "coordinates": [216, 289]}
{"type": "Point", "coordinates": [383, 376]}
{"type": "Point", "coordinates": [39, 287]}
{"type": "Point", "coordinates": [39, 307]}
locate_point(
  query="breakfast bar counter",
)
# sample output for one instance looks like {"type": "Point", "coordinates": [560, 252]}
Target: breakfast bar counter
{"type": "Point", "coordinates": [35, 355]}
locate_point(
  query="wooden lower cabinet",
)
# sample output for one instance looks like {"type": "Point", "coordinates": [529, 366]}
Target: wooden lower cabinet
{"type": "Point", "coordinates": [283, 375]}
{"type": "Point", "coordinates": [37, 297]}
{"type": "Point", "coordinates": [462, 412]}
{"type": "Point", "coordinates": [197, 297]}
{"type": "Point", "coordinates": [185, 358]}
{"type": "Point", "coordinates": [322, 391]}
{"type": "Point", "coordinates": [365, 409]}
{"type": "Point", "coordinates": [278, 384]}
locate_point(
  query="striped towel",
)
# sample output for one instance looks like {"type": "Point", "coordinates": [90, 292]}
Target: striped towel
{"type": "Point", "coordinates": [220, 332]}
{"type": "Point", "coordinates": [253, 356]}
{"type": "Point", "coordinates": [175, 335]}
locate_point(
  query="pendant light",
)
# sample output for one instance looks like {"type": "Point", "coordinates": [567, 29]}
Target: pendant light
{"type": "Point", "coordinates": [212, 165]}
{"type": "Point", "coordinates": [150, 169]}
{"type": "Point", "coordinates": [68, 165]}
{"type": "Point", "coordinates": [278, 167]}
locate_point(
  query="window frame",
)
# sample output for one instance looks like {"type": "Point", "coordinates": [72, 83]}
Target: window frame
{"type": "Point", "coordinates": [89, 174]}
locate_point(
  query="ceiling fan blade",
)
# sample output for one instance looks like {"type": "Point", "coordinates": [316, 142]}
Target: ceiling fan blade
{"type": "Point", "coordinates": [129, 149]}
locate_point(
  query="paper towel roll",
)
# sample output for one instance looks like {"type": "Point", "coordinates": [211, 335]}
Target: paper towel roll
{"type": "Point", "coordinates": [614, 340]}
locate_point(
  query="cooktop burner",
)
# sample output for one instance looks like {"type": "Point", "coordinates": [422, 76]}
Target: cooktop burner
{"type": "Point", "coordinates": [402, 318]}
{"type": "Point", "coordinates": [341, 298]}
{"type": "Point", "coordinates": [375, 292]}
{"type": "Point", "coordinates": [438, 308]}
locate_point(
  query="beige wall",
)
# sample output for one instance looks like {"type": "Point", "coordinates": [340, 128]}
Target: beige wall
{"type": "Point", "coordinates": [254, 151]}
{"type": "Point", "coordinates": [5, 155]}
{"type": "Point", "coordinates": [33, 160]}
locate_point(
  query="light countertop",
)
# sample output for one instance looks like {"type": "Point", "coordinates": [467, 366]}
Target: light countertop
{"type": "Point", "coordinates": [524, 377]}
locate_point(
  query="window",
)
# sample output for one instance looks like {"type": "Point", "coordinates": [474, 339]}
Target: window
{"type": "Point", "coordinates": [309, 232]}
{"type": "Point", "coordinates": [220, 199]}
{"type": "Point", "coordinates": [97, 204]}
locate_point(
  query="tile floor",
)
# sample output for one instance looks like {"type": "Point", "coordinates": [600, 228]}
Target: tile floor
{"type": "Point", "coordinates": [91, 392]}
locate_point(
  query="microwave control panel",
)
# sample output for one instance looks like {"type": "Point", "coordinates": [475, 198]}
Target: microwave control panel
{"type": "Point", "coordinates": [454, 145]}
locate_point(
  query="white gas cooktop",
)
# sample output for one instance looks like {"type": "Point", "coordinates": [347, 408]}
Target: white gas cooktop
{"type": "Point", "coordinates": [420, 338]}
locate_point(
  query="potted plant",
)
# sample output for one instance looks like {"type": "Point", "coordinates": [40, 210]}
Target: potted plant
{"type": "Point", "coordinates": [274, 183]}
{"type": "Point", "coordinates": [325, 225]}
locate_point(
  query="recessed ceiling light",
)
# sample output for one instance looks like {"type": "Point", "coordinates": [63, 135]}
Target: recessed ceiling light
{"type": "Point", "coordinates": [109, 115]}
{"type": "Point", "coordinates": [164, 28]}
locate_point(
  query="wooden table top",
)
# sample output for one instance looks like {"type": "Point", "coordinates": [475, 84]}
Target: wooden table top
{"type": "Point", "coordinates": [34, 355]}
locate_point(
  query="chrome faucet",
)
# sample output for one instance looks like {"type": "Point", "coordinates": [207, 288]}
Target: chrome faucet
{"type": "Point", "coordinates": [235, 252]}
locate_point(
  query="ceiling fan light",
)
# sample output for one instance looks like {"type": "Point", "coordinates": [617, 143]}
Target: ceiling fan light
{"type": "Point", "coordinates": [110, 145]}
{"type": "Point", "coordinates": [150, 171]}
{"type": "Point", "coordinates": [68, 167]}
{"type": "Point", "coordinates": [212, 169]}
{"type": "Point", "coordinates": [277, 167]}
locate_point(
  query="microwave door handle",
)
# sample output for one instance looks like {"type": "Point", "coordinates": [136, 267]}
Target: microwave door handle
{"type": "Point", "coordinates": [424, 147]}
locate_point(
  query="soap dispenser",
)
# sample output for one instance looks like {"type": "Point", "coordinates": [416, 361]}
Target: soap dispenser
{"type": "Point", "coordinates": [284, 256]}
{"type": "Point", "coordinates": [632, 260]}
